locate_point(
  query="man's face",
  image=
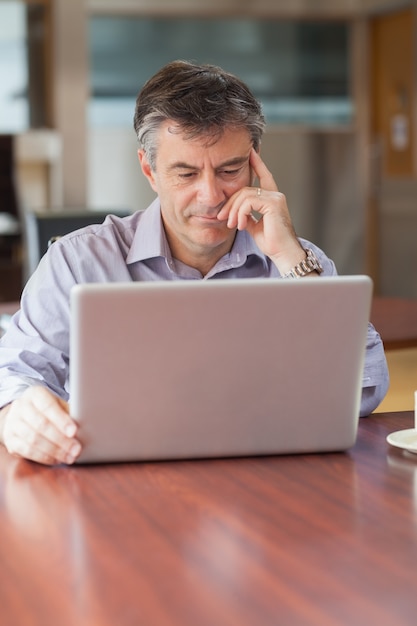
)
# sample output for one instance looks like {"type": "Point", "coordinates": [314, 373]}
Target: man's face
{"type": "Point", "coordinates": [193, 179]}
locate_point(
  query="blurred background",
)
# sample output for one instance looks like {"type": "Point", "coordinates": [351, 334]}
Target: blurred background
{"type": "Point", "coordinates": [337, 80]}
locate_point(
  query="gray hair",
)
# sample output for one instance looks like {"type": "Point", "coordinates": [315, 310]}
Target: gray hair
{"type": "Point", "coordinates": [202, 100]}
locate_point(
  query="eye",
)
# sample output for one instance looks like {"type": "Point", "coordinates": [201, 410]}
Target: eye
{"type": "Point", "coordinates": [231, 172]}
{"type": "Point", "coordinates": [186, 175]}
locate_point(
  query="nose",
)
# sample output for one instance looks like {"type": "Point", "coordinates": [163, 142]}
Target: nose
{"type": "Point", "coordinates": [210, 192]}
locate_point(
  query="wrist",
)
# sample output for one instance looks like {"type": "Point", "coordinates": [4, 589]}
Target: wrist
{"type": "Point", "coordinates": [289, 257]}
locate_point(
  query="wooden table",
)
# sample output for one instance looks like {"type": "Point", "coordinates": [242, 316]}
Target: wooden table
{"type": "Point", "coordinates": [396, 321]}
{"type": "Point", "coordinates": [326, 540]}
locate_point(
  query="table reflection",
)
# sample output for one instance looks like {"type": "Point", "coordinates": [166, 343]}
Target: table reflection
{"type": "Point", "coordinates": [404, 464]}
{"type": "Point", "coordinates": [47, 526]}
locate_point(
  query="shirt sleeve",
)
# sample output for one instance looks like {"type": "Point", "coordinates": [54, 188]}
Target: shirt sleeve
{"type": "Point", "coordinates": [35, 348]}
{"type": "Point", "coordinates": [375, 375]}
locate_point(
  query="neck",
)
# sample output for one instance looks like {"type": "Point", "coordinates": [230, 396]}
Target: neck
{"type": "Point", "coordinates": [200, 262]}
{"type": "Point", "coordinates": [198, 257]}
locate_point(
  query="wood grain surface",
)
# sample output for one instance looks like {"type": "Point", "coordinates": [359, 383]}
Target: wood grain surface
{"type": "Point", "coordinates": [294, 540]}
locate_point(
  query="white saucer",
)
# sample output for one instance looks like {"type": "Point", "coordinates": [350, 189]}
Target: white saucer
{"type": "Point", "coordinates": [405, 439]}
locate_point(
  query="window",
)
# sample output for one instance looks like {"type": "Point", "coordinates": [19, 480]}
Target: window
{"type": "Point", "coordinates": [13, 68]}
{"type": "Point", "coordinates": [22, 66]}
{"type": "Point", "coordinates": [298, 70]}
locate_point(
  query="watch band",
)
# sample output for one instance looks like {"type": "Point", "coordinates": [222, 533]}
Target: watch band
{"type": "Point", "coordinates": [306, 266]}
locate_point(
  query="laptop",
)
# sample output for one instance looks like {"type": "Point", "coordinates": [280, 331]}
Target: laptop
{"type": "Point", "coordinates": [223, 368]}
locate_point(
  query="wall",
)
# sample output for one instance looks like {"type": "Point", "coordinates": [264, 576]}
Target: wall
{"type": "Point", "coordinates": [69, 81]}
{"type": "Point", "coordinates": [323, 175]}
{"type": "Point", "coordinates": [397, 255]}
{"type": "Point", "coordinates": [115, 178]}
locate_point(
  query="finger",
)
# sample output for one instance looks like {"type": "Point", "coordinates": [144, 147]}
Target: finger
{"type": "Point", "coordinates": [48, 446]}
{"type": "Point", "coordinates": [54, 409]}
{"type": "Point", "coordinates": [266, 180]}
{"type": "Point", "coordinates": [31, 428]}
{"type": "Point", "coordinates": [40, 451]}
{"type": "Point", "coordinates": [241, 207]}
{"type": "Point", "coordinates": [18, 447]}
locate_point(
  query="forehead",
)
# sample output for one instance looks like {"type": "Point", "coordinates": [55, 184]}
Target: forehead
{"type": "Point", "coordinates": [173, 142]}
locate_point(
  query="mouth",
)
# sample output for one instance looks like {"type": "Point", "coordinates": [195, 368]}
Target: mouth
{"type": "Point", "coordinates": [208, 219]}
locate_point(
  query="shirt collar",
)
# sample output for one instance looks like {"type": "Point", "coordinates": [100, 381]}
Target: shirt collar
{"type": "Point", "coordinates": [149, 240]}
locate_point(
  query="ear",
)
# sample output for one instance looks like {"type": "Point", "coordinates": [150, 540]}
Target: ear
{"type": "Point", "coordinates": [146, 169]}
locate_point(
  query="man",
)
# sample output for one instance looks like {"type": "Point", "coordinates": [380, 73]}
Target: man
{"type": "Point", "coordinates": [199, 132]}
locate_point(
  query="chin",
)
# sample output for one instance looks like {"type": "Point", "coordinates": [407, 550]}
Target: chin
{"type": "Point", "coordinates": [215, 239]}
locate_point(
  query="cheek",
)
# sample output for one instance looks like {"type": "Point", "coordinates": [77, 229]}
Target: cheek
{"type": "Point", "coordinates": [176, 200]}
{"type": "Point", "coordinates": [244, 180]}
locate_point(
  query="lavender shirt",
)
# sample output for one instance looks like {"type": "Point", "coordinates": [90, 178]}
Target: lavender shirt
{"type": "Point", "coordinates": [35, 348]}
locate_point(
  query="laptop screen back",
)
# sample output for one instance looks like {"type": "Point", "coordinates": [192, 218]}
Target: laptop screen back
{"type": "Point", "coordinates": [189, 369]}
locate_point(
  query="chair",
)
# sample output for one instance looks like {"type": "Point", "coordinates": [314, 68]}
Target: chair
{"type": "Point", "coordinates": [10, 226]}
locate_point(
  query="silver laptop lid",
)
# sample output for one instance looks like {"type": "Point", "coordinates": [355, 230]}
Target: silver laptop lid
{"type": "Point", "coordinates": [165, 370]}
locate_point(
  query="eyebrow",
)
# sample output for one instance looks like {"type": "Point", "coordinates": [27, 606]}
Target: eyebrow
{"type": "Point", "coordinates": [230, 162]}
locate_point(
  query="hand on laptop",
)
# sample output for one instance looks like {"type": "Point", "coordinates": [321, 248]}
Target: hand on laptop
{"type": "Point", "coordinates": [273, 231]}
{"type": "Point", "coordinates": [37, 426]}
